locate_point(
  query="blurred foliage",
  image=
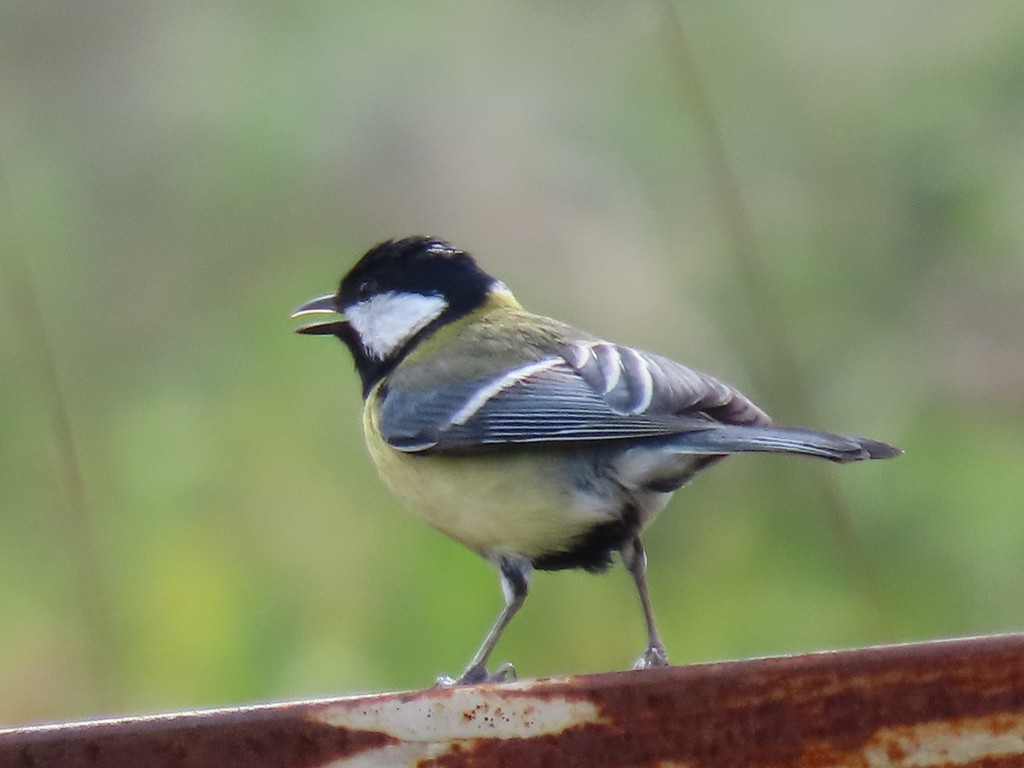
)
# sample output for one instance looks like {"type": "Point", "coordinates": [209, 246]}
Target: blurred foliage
{"type": "Point", "coordinates": [176, 177]}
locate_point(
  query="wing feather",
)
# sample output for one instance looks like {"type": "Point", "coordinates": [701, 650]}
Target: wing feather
{"type": "Point", "coordinates": [593, 391]}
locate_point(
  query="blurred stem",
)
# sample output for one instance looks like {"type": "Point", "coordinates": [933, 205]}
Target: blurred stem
{"type": "Point", "coordinates": [768, 311]}
{"type": "Point", "coordinates": [76, 522]}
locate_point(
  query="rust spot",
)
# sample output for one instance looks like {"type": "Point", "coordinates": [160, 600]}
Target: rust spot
{"type": "Point", "coordinates": [242, 738]}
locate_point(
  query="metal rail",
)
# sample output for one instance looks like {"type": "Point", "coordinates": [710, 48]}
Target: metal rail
{"type": "Point", "coordinates": [945, 703]}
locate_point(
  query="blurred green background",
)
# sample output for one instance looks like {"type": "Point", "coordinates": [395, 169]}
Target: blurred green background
{"type": "Point", "coordinates": [176, 177]}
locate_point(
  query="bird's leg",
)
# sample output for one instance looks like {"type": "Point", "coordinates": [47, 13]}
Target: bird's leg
{"type": "Point", "coordinates": [514, 573]}
{"type": "Point", "coordinates": [635, 560]}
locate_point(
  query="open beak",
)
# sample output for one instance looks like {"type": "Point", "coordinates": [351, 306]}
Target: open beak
{"type": "Point", "coordinates": [322, 305]}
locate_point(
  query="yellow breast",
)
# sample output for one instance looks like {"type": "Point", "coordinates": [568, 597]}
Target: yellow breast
{"type": "Point", "coordinates": [502, 501]}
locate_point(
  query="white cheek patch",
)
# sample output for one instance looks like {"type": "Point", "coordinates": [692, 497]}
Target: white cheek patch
{"type": "Point", "coordinates": [387, 321]}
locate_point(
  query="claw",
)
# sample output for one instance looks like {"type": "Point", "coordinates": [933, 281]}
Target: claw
{"type": "Point", "coordinates": [653, 658]}
{"type": "Point", "coordinates": [477, 674]}
{"type": "Point", "coordinates": [506, 673]}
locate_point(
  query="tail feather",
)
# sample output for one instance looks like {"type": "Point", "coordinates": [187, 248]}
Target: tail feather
{"type": "Point", "coordinates": [809, 442]}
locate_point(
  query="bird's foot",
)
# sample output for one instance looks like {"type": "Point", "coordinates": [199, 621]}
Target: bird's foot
{"type": "Point", "coordinates": [477, 673]}
{"type": "Point", "coordinates": [653, 658]}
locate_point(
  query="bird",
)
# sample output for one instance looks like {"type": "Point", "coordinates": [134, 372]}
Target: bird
{"type": "Point", "coordinates": [534, 444]}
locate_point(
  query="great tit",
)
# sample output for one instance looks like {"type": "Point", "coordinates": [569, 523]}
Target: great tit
{"type": "Point", "coordinates": [532, 443]}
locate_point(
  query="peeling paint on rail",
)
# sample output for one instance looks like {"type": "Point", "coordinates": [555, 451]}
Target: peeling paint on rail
{"type": "Point", "coordinates": [484, 712]}
{"type": "Point", "coordinates": [929, 705]}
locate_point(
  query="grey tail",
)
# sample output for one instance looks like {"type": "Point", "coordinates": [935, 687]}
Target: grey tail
{"type": "Point", "coordinates": [730, 438]}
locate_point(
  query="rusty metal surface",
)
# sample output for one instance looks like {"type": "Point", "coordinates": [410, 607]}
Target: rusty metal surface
{"type": "Point", "coordinates": [949, 703]}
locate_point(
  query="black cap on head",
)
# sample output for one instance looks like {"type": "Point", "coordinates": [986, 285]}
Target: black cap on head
{"type": "Point", "coordinates": [418, 264]}
{"type": "Point", "coordinates": [413, 265]}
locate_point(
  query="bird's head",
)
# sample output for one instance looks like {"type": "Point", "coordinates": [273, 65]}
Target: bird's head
{"type": "Point", "coordinates": [395, 295]}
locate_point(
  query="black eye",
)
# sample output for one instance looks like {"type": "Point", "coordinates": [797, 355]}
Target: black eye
{"type": "Point", "coordinates": [366, 289]}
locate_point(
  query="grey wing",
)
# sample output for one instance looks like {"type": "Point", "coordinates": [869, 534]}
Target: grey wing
{"type": "Point", "coordinates": [594, 391]}
{"type": "Point", "coordinates": [635, 382]}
